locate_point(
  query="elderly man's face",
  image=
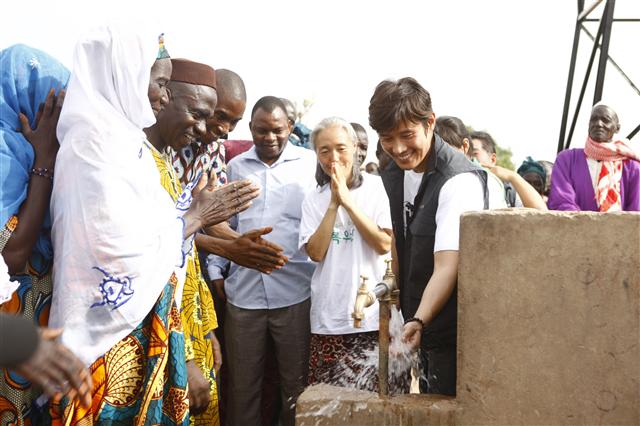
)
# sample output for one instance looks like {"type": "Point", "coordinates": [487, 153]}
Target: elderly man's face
{"type": "Point", "coordinates": [184, 119]}
{"type": "Point", "coordinates": [603, 124]}
{"type": "Point", "coordinates": [160, 76]}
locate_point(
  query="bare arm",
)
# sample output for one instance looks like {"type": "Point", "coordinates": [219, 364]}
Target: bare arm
{"type": "Point", "coordinates": [440, 286]}
{"type": "Point", "coordinates": [435, 295]}
{"type": "Point", "coordinates": [34, 208]}
{"type": "Point", "coordinates": [222, 230]}
{"type": "Point", "coordinates": [273, 254]}
{"type": "Point", "coordinates": [212, 205]}
{"type": "Point", "coordinates": [30, 217]}
{"type": "Point", "coordinates": [318, 243]}
{"type": "Point", "coordinates": [379, 239]}
{"type": "Point", "coordinates": [247, 250]}
{"type": "Point", "coordinates": [528, 195]}
{"type": "Point", "coordinates": [394, 257]}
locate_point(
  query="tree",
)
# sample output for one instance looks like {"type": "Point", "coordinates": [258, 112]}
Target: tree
{"type": "Point", "coordinates": [503, 155]}
{"type": "Point", "coordinates": [504, 158]}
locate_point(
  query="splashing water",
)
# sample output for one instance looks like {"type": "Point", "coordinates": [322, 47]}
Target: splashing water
{"type": "Point", "coordinates": [359, 370]}
{"type": "Point", "coordinates": [401, 357]}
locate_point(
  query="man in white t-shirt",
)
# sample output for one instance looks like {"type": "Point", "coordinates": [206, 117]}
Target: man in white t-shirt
{"type": "Point", "coordinates": [429, 184]}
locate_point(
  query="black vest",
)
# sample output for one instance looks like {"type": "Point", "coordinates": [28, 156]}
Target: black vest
{"type": "Point", "coordinates": [415, 251]}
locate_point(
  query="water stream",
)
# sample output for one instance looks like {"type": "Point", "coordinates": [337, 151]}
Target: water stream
{"type": "Point", "coordinates": [360, 371]}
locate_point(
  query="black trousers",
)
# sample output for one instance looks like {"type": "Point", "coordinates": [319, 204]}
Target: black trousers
{"type": "Point", "coordinates": [439, 370]}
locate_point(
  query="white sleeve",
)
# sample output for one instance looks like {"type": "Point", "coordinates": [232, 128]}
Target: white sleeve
{"type": "Point", "coordinates": [497, 199]}
{"type": "Point", "coordinates": [461, 193]}
{"type": "Point", "coordinates": [382, 214]}
{"type": "Point", "coordinates": [7, 287]}
{"type": "Point", "coordinates": [311, 217]}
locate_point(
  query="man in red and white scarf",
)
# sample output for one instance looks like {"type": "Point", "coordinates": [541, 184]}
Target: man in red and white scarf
{"type": "Point", "coordinates": [604, 177]}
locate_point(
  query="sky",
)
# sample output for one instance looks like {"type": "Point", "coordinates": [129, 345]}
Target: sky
{"type": "Point", "coordinates": [499, 65]}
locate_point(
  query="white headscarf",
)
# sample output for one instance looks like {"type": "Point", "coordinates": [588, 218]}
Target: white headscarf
{"type": "Point", "coordinates": [116, 234]}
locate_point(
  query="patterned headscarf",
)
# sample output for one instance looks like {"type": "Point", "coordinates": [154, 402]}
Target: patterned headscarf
{"type": "Point", "coordinates": [612, 155]}
{"type": "Point", "coordinates": [162, 51]}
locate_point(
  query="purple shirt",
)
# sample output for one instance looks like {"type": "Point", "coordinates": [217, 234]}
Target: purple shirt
{"type": "Point", "coordinates": [572, 186]}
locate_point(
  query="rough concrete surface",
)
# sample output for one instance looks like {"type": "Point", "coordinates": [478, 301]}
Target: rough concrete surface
{"type": "Point", "coordinates": [323, 405]}
{"type": "Point", "coordinates": [548, 321]}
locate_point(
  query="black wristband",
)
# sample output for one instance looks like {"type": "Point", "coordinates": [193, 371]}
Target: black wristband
{"type": "Point", "coordinates": [414, 319]}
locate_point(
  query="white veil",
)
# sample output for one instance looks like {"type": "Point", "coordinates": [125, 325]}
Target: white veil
{"type": "Point", "coordinates": [116, 234]}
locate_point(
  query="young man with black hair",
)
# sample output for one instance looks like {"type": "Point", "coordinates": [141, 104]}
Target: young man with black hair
{"type": "Point", "coordinates": [429, 184]}
{"type": "Point", "coordinates": [483, 149]}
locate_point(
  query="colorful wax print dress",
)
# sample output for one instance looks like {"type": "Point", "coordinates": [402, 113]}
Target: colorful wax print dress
{"type": "Point", "coordinates": [198, 314]}
{"type": "Point", "coordinates": [32, 300]}
{"type": "Point", "coordinates": [142, 380]}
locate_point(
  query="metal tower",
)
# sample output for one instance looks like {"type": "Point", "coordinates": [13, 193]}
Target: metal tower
{"type": "Point", "coordinates": [601, 42]}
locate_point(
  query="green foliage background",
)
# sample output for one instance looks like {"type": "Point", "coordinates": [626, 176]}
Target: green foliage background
{"type": "Point", "coordinates": [504, 155]}
{"type": "Point", "coordinates": [504, 158]}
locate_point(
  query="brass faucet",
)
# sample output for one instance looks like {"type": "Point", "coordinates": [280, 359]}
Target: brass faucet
{"type": "Point", "coordinates": [364, 299]}
{"type": "Point", "coordinates": [383, 291]}
{"type": "Point", "coordinates": [386, 292]}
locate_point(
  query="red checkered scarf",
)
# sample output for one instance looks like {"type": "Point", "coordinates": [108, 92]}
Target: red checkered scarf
{"type": "Point", "coordinates": [611, 154]}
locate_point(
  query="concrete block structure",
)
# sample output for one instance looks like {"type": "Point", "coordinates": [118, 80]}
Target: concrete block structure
{"type": "Point", "coordinates": [549, 318]}
{"type": "Point", "coordinates": [548, 329]}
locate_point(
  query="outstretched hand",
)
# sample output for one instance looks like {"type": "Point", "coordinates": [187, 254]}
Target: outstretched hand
{"type": "Point", "coordinates": [57, 370]}
{"type": "Point", "coordinates": [252, 251]}
{"type": "Point", "coordinates": [214, 204]}
{"type": "Point", "coordinates": [412, 334]}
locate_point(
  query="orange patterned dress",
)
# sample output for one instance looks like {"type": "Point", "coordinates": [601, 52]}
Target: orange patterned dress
{"type": "Point", "coordinates": [142, 380]}
{"type": "Point", "coordinates": [198, 314]}
{"type": "Point", "coordinates": [32, 300]}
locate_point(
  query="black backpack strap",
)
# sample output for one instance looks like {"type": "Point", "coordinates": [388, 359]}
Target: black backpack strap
{"type": "Point", "coordinates": [483, 175]}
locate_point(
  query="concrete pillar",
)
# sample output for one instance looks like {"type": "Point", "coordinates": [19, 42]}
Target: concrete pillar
{"type": "Point", "coordinates": [549, 319]}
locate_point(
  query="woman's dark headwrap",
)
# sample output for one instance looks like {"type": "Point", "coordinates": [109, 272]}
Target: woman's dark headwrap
{"type": "Point", "coordinates": [529, 169]}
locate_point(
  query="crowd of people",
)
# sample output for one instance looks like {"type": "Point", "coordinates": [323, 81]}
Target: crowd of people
{"type": "Point", "coordinates": [156, 272]}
